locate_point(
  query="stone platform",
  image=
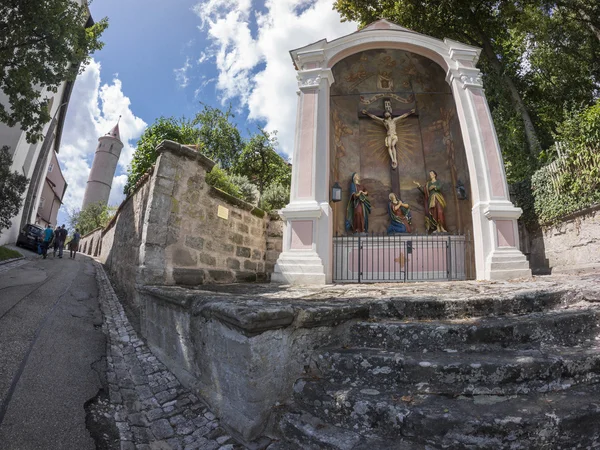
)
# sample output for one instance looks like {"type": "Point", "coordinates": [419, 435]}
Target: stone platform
{"type": "Point", "coordinates": [439, 365]}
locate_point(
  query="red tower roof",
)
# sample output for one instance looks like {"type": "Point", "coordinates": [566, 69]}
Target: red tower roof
{"type": "Point", "coordinates": [115, 131]}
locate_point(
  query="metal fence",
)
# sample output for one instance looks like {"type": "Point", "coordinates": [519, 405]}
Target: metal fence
{"type": "Point", "coordinates": [569, 163]}
{"type": "Point", "coordinates": [371, 258]}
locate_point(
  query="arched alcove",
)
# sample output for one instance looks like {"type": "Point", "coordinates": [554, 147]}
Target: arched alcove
{"type": "Point", "coordinates": [310, 222]}
{"type": "Point", "coordinates": [428, 139]}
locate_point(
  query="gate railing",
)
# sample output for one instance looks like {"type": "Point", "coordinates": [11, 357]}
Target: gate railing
{"type": "Point", "coordinates": [369, 258]}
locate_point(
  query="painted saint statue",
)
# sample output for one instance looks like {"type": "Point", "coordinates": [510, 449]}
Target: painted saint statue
{"type": "Point", "coordinates": [359, 207]}
{"type": "Point", "coordinates": [434, 204]}
{"type": "Point", "coordinates": [391, 138]}
{"type": "Point", "coordinates": [400, 216]}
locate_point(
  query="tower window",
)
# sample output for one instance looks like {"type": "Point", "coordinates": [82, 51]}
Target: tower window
{"type": "Point", "coordinates": [50, 167]}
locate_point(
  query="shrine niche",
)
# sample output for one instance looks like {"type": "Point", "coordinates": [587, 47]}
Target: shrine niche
{"type": "Point", "coordinates": [411, 93]}
{"type": "Point", "coordinates": [395, 107]}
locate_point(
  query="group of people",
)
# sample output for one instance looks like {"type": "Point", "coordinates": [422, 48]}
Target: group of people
{"type": "Point", "coordinates": [57, 238]}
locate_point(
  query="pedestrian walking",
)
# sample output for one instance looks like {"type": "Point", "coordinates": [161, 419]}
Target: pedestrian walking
{"type": "Point", "coordinates": [48, 236]}
{"type": "Point", "coordinates": [61, 237]}
{"type": "Point", "coordinates": [74, 245]}
{"type": "Point", "coordinates": [55, 241]}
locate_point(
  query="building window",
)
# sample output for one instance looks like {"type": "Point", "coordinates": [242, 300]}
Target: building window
{"type": "Point", "coordinates": [111, 146]}
{"type": "Point", "coordinates": [50, 167]}
{"type": "Point", "coordinates": [41, 205]}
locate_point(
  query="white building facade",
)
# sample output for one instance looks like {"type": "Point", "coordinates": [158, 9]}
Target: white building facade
{"type": "Point", "coordinates": [32, 160]}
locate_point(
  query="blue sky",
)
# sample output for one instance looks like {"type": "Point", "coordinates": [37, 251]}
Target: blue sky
{"type": "Point", "coordinates": [145, 42]}
{"type": "Point", "coordinates": [161, 58]}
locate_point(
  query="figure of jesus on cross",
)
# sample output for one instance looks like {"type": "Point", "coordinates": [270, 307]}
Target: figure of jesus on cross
{"type": "Point", "coordinates": [389, 123]}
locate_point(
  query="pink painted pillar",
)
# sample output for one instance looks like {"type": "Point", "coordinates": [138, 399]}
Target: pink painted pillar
{"type": "Point", "coordinates": [306, 256]}
{"type": "Point", "coordinates": [496, 238]}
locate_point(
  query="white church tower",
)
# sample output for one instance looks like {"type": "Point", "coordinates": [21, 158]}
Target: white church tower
{"type": "Point", "coordinates": [103, 168]}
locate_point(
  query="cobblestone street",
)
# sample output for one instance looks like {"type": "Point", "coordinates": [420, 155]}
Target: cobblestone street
{"type": "Point", "coordinates": [59, 318]}
{"type": "Point", "coordinates": [153, 410]}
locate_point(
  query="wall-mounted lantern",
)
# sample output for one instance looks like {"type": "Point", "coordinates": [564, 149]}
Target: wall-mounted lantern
{"type": "Point", "coordinates": [461, 192]}
{"type": "Point", "coordinates": [336, 192]}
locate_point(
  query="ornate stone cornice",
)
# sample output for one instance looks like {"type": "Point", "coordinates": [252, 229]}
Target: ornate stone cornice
{"type": "Point", "coordinates": [310, 59]}
{"type": "Point", "coordinates": [466, 76]}
{"type": "Point", "coordinates": [311, 79]}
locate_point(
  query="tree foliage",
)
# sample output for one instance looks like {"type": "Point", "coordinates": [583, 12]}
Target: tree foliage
{"type": "Point", "coordinates": [261, 164]}
{"type": "Point", "coordinates": [245, 169]}
{"type": "Point", "coordinates": [211, 130]}
{"type": "Point", "coordinates": [572, 181]}
{"type": "Point", "coordinates": [276, 196]}
{"type": "Point", "coordinates": [536, 56]}
{"type": "Point", "coordinates": [12, 187]}
{"type": "Point", "coordinates": [248, 191]}
{"type": "Point", "coordinates": [42, 44]}
{"type": "Point", "coordinates": [95, 215]}
{"type": "Point", "coordinates": [178, 130]}
{"type": "Point", "coordinates": [219, 137]}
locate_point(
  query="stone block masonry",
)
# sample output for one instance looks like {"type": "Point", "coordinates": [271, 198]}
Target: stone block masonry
{"type": "Point", "coordinates": [243, 348]}
{"type": "Point", "coordinates": [573, 245]}
{"type": "Point", "coordinates": [175, 229]}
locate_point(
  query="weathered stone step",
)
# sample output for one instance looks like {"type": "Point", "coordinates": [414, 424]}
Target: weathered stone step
{"type": "Point", "coordinates": [430, 307]}
{"type": "Point", "coordinates": [451, 372]}
{"type": "Point", "coordinates": [305, 431]}
{"type": "Point", "coordinates": [569, 327]}
{"type": "Point", "coordinates": [557, 420]}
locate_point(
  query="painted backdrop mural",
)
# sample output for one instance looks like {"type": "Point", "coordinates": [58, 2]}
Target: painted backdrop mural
{"type": "Point", "coordinates": [381, 97]}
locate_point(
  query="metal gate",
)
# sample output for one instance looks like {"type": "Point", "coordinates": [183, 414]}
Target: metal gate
{"type": "Point", "coordinates": [371, 258]}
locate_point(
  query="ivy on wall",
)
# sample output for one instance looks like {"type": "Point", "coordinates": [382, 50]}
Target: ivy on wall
{"type": "Point", "coordinates": [571, 182]}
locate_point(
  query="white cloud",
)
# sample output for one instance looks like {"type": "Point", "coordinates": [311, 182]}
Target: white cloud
{"type": "Point", "coordinates": [203, 57]}
{"type": "Point", "coordinates": [257, 69]}
{"type": "Point", "coordinates": [93, 111]}
{"type": "Point", "coordinates": [181, 74]}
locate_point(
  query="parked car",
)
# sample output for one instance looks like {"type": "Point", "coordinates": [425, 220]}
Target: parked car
{"type": "Point", "coordinates": [29, 236]}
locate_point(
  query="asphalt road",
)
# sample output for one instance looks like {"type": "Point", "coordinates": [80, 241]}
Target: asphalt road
{"type": "Point", "coordinates": [52, 352]}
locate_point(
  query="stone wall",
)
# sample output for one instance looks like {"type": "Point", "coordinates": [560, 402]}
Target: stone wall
{"type": "Point", "coordinates": [274, 242]}
{"type": "Point", "coordinates": [196, 233]}
{"type": "Point", "coordinates": [89, 244]}
{"type": "Point", "coordinates": [573, 245]}
{"type": "Point", "coordinates": [175, 229]}
{"type": "Point", "coordinates": [241, 353]}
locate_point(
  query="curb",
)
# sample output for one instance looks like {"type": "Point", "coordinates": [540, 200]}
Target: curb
{"type": "Point", "coordinates": [7, 261]}
{"type": "Point", "coordinates": [152, 409]}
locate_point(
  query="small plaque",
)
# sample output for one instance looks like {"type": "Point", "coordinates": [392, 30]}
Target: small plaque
{"type": "Point", "coordinates": [223, 212]}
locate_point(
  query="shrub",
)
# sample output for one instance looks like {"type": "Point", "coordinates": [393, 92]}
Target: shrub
{"type": "Point", "coordinates": [275, 196]}
{"type": "Point", "coordinates": [248, 191]}
{"type": "Point", "coordinates": [571, 183]}
{"type": "Point", "coordinates": [219, 179]}
{"type": "Point", "coordinates": [12, 187]}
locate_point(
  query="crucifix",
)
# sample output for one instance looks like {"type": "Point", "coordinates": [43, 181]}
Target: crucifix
{"type": "Point", "coordinates": [391, 138]}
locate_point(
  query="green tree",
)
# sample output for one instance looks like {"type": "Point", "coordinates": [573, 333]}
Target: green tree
{"type": "Point", "coordinates": [12, 187]}
{"type": "Point", "coordinates": [95, 215]}
{"type": "Point", "coordinates": [219, 137]}
{"type": "Point", "coordinates": [42, 43]}
{"type": "Point", "coordinates": [562, 68]}
{"type": "Point", "coordinates": [261, 164]}
{"type": "Point", "coordinates": [179, 130]}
